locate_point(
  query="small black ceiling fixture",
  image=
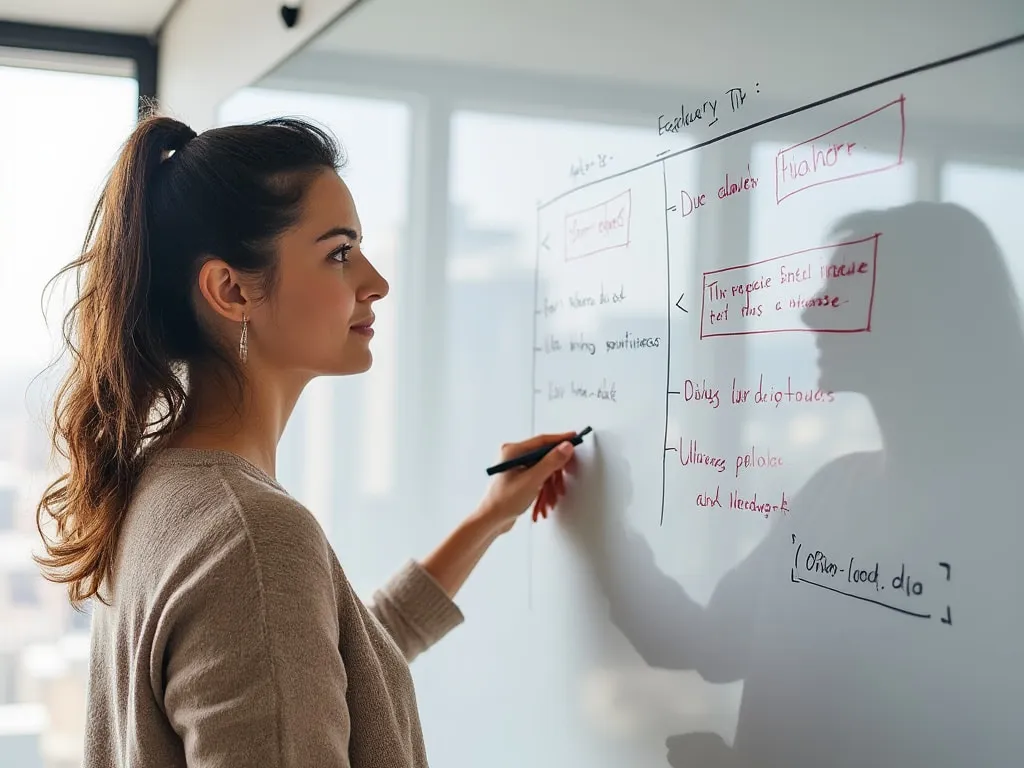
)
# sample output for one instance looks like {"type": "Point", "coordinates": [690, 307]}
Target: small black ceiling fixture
{"type": "Point", "coordinates": [290, 13]}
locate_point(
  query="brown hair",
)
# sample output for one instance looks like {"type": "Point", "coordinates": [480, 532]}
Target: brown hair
{"type": "Point", "coordinates": [173, 201]}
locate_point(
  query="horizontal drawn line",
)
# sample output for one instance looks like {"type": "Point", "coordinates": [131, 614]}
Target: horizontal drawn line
{"type": "Point", "coordinates": [867, 600]}
{"type": "Point", "coordinates": [848, 123]}
{"type": "Point", "coordinates": [841, 178]}
{"type": "Point", "coordinates": [673, 393]}
{"type": "Point", "coordinates": [1015, 40]}
{"type": "Point", "coordinates": [662, 154]}
{"type": "Point", "coordinates": [802, 251]}
{"type": "Point", "coordinates": [786, 330]}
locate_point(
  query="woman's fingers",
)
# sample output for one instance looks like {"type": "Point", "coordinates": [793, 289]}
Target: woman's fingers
{"type": "Point", "coordinates": [572, 465]}
{"type": "Point", "coordinates": [550, 492]}
{"type": "Point", "coordinates": [538, 505]}
{"type": "Point", "coordinates": [558, 481]}
{"type": "Point", "coordinates": [546, 499]}
{"type": "Point", "coordinates": [514, 449]}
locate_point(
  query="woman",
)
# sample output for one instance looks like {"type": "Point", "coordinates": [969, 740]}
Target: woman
{"type": "Point", "coordinates": [221, 273]}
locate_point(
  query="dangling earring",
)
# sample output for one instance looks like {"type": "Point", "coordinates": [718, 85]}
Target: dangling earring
{"type": "Point", "coordinates": [243, 343]}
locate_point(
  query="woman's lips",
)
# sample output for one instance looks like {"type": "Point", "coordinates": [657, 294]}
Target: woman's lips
{"type": "Point", "coordinates": [364, 329]}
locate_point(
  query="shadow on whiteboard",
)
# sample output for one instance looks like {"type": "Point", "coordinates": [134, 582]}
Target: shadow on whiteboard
{"type": "Point", "coordinates": [877, 623]}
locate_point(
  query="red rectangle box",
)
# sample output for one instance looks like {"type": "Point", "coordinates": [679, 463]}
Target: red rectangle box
{"type": "Point", "coordinates": [599, 228]}
{"type": "Point", "coordinates": [840, 153]}
{"type": "Point", "coordinates": [829, 289]}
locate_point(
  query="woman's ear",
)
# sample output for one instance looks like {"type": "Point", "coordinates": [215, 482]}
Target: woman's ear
{"type": "Point", "coordinates": [222, 291]}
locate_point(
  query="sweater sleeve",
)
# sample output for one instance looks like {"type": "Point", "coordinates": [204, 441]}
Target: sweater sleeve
{"type": "Point", "coordinates": [248, 668]}
{"type": "Point", "coordinates": [415, 610]}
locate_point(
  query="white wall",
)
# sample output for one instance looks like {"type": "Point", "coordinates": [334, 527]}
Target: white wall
{"type": "Point", "coordinates": [208, 50]}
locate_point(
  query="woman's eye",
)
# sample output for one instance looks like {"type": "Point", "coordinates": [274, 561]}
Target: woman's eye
{"type": "Point", "coordinates": [341, 254]}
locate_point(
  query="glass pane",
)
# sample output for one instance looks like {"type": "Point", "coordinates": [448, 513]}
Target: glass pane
{"type": "Point", "coordinates": [502, 166]}
{"type": "Point", "coordinates": [993, 192]}
{"type": "Point", "coordinates": [52, 166]}
{"type": "Point", "coordinates": [340, 447]}
{"type": "Point", "coordinates": [491, 266]}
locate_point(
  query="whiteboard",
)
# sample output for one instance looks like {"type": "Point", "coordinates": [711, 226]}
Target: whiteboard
{"type": "Point", "coordinates": [801, 486]}
{"type": "Point", "coordinates": [792, 539]}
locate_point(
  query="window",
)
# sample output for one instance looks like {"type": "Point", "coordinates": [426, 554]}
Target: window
{"type": "Point", "coordinates": [8, 677]}
{"type": "Point", "coordinates": [52, 166]}
{"type": "Point", "coordinates": [24, 588]}
{"type": "Point", "coordinates": [6, 509]}
{"type": "Point", "coordinates": [993, 193]}
{"type": "Point", "coordinates": [80, 620]}
{"type": "Point", "coordinates": [500, 166]}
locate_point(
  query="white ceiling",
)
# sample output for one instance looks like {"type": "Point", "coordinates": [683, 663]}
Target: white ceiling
{"type": "Point", "coordinates": [140, 17]}
{"type": "Point", "coordinates": [674, 43]}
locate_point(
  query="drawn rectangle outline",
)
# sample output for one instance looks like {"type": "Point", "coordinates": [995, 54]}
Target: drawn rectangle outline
{"type": "Point", "coordinates": [628, 194]}
{"type": "Point", "coordinates": [899, 157]}
{"type": "Point", "coordinates": [871, 298]}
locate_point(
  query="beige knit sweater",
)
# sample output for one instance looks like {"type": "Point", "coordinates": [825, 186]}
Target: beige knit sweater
{"type": "Point", "coordinates": [233, 638]}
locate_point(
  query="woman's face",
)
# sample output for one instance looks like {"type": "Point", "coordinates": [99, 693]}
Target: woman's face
{"type": "Point", "coordinates": [319, 319]}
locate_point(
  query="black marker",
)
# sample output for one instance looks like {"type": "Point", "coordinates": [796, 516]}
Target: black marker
{"type": "Point", "coordinates": [532, 457]}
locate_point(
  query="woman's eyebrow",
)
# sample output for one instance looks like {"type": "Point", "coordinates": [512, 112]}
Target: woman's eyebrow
{"type": "Point", "coordinates": [338, 232]}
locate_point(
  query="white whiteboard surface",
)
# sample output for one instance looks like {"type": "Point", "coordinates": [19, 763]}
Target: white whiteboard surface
{"type": "Point", "coordinates": [793, 537]}
{"type": "Point", "coordinates": [669, 614]}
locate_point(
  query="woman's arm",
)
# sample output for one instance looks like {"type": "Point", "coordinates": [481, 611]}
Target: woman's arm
{"type": "Point", "coordinates": [455, 558]}
{"type": "Point", "coordinates": [508, 497]}
{"type": "Point", "coordinates": [416, 606]}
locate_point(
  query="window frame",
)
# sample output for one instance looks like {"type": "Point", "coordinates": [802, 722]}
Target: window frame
{"type": "Point", "coordinates": [141, 51]}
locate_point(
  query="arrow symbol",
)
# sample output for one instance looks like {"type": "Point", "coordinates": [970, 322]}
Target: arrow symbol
{"type": "Point", "coordinates": [681, 306]}
{"type": "Point", "coordinates": [544, 242]}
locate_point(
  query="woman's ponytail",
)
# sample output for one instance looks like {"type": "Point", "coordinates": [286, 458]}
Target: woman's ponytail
{"type": "Point", "coordinates": [117, 370]}
{"type": "Point", "coordinates": [134, 334]}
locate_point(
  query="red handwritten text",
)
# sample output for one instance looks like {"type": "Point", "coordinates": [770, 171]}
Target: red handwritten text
{"type": "Point", "coordinates": [734, 185]}
{"type": "Point", "coordinates": [757, 458]}
{"type": "Point", "coordinates": [751, 502]}
{"type": "Point", "coordinates": [839, 154]}
{"type": "Point", "coordinates": [829, 289]}
{"type": "Point", "coordinates": [598, 228]}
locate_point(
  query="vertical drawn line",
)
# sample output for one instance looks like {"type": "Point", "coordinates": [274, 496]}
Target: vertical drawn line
{"type": "Point", "coordinates": [668, 339]}
{"type": "Point", "coordinates": [874, 275]}
{"type": "Point", "coordinates": [533, 408]}
{"type": "Point", "coordinates": [529, 568]}
{"type": "Point", "coordinates": [903, 126]}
